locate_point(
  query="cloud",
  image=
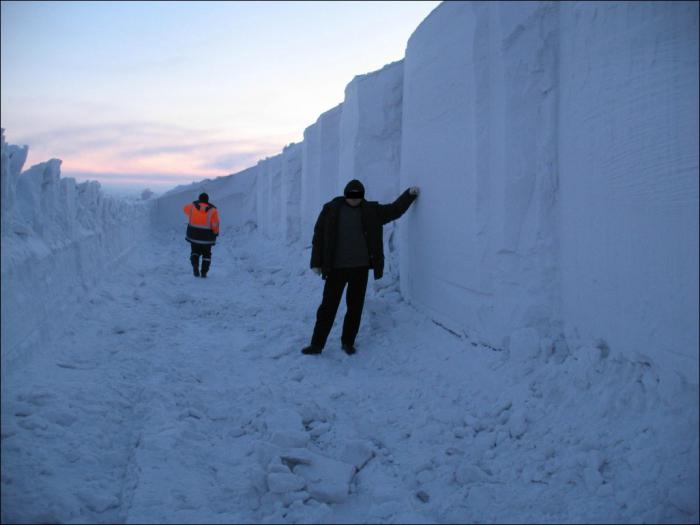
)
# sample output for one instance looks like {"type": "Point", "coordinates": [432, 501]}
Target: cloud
{"type": "Point", "coordinates": [233, 161]}
{"type": "Point", "coordinates": [119, 150]}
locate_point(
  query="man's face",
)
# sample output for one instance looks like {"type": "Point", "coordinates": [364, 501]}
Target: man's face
{"type": "Point", "coordinates": [353, 202]}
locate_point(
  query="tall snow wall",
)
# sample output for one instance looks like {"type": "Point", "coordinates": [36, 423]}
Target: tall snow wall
{"type": "Point", "coordinates": [269, 196]}
{"type": "Point", "coordinates": [556, 145]}
{"type": "Point", "coordinates": [319, 168]}
{"type": "Point", "coordinates": [58, 239]}
{"type": "Point", "coordinates": [628, 161]}
{"type": "Point", "coordinates": [291, 192]}
{"type": "Point", "coordinates": [370, 143]}
{"type": "Point", "coordinates": [233, 195]}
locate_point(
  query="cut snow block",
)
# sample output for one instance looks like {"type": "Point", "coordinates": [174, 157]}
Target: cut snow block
{"type": "Point", "coordinates": [319, 170]}
{"type": "Point", "coordinates": [291, 191]}
{"type": "Point", "coordinates": [281, 483]}
{"type": "Point", "coordinates": [310, 180]}
{"type": "Point", "coordinates": [357, 452]}
{"type": "Point", "coordinates": [273, 224]}
{"type": "Point", "coordinates": [328, 480]}
{"type": "Point", "coordinates": [290, 439]}
{"type": "Point", "coordinates": [370, 133]}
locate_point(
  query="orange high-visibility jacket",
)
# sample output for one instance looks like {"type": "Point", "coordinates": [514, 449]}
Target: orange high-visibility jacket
{"type": "Point", "coordinates": [203, 224]}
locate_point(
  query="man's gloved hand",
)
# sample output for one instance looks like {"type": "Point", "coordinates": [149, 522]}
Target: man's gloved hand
{"type": "Point", "coordinates": [317, 271]}
{"type": "Point", "coordinates": [414, 190]}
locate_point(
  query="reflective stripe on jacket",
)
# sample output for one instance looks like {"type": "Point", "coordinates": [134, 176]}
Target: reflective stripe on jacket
{"type": "Point", "coordinates": [203, 223]}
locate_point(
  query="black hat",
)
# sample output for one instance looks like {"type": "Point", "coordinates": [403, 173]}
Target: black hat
{"type": "Point", "coordinates": [203, 197]}
{"type": "Point", "coordinates": [354, 190]}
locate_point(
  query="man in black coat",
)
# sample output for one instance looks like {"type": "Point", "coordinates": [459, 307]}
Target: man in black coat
{"type": "Point", "coordinates": [347, 242]}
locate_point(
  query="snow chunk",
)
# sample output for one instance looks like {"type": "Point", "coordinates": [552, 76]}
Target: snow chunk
{"type": "Point", "coordinates": [281, 483]}
{"type": "Point", "coordinates": [357, 453]}
{"type": "Point", "coordinates": [328, 480]}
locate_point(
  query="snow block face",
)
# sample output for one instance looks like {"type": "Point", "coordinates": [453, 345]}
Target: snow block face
{"type": "Point", "coordinates": [273, 223]}
{"type": "Point", "coordinates": [310, 181]}
{"type": "Point", "coordinates": [556, 146]}
{"type": "Point", "coordinates": [370, 143]}
{"type": "Point", "coordinates": [478, 137]}
{"type": "Point", "coordinates": [58, 237]}
{"type": "Point", "coordinates": [629, 177]}
{"type": "Point", "coordinates": [233, 195]}
{"type": "Point", "coordinates": [320, 159]}
{"type": "Point", "coordinates": [291, 192]}
{"type": "Point", "coordinates": [370, 133]}
{"type": "Point", "coordinates": [262, 193]}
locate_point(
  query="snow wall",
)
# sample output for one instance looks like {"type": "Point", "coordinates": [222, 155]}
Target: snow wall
{"type": "Point", "coordinates": [556, 145]}
{"type": "Point", "coordinates": [370, 144]}
{"type": "Point", "coordinates": [58, 239]}
{"type": "Point", "coordinates": [291, 192]}
{"type": "Point", "coordinates": [319, 168]}
{"type": "Point", "coordinates": [233, 195]}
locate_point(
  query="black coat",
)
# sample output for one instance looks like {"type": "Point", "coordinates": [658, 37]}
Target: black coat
{"type": "Point", "coordinates": [374, 217]}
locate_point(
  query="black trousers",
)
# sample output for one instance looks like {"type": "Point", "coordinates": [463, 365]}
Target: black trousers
{"type": "Point", "coordinates": [205, 251]}
{"type": "Point", "coordinates": [356, 280]}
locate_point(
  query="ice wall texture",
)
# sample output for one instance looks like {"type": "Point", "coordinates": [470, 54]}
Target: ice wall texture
{"type": "Point", "coordinates": [269, 196]}
{"type": "Point", "coordinates": [233, 195]}
{"type": "Point", "coordinates": [628, 157]}
{"type": "Point", "coordinates": [291, 192]}
{"type": "Point", "coordinates": [556, 147]}
{"type": "Point", "coordinates": [58, 238]}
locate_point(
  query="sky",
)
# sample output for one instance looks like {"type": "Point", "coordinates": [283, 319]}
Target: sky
{"type": "Point", "coordinates": [156, 94]}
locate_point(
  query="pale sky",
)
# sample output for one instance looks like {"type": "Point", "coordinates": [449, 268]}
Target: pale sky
{"type": "Point", "coordinates": [162, 93]}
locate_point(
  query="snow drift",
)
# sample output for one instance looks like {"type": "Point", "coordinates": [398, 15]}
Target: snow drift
{"type": "Point", "coordinates": [58, 237]}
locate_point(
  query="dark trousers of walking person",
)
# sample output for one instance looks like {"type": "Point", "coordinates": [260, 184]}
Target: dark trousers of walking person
{"type": "Point", "coordinates": [356, 281]}
{"type": "Point", "coordinates": [205, 251]}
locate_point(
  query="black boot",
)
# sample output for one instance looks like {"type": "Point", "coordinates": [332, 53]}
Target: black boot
{"type": "Point", "coordinates": [194, 259]}
{"type": "Point", "coordinates": [312, 349]}
{"type": "Point", "coordinates": [348, 348]}
{"type": "Point", "coordinates": [205, 266]}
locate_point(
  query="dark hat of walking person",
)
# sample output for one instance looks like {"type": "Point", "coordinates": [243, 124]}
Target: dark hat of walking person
{"type": "Point", "coordinates": [354, 190]}
{"type": "Point", "coordinates": [203, 197]}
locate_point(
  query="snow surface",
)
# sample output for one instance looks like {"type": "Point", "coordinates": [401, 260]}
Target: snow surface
{"type": "Point", "coordinates": [533, 359]}
{"type": "Point", "coordinates": [170, 399]}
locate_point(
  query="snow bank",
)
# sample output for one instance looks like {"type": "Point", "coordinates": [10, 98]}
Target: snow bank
{"type": "Point", "coordinates": [319, 171]}
{"type": "Point", "coordinates": [628, 157]}
{"type": "Point", "coordinates": [269, 196]}
{"type": "Point", "coordinates": [560, 189]}
{"type": "Point", "coordinates": [370, 143]}
{"type": "Point", "coordinates": [233, 195]}
{"type": "Point", "coordinates": [291, 192]}
{"type": "Point", "coordinates": [58, 238]}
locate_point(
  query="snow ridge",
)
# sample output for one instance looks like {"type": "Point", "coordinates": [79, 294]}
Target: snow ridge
{"type": "Point", "coordinates": [58, 237]}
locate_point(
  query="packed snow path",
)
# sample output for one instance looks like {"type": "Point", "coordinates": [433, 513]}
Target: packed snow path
{"type": "Point", "coordinates": [167, 398]}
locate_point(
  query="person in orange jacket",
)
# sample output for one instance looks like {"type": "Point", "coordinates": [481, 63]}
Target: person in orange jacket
{"type": "Point", "coordinates": [202, 231]}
